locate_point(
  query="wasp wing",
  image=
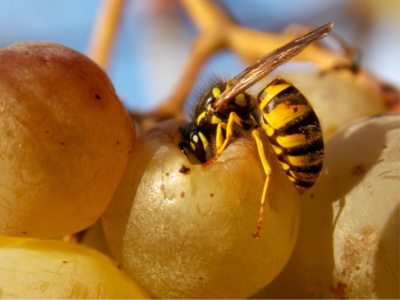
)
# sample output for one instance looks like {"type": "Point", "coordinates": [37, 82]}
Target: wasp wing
{"type": "Point", "coordinates": [267, 64]}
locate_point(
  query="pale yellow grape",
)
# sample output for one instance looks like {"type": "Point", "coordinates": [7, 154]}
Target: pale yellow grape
{"type": "Point", "coordinates": [10, 240]}
{"type": "Point", "coordinates": [65, 140]}
{"type": "Point", "coordinates": [60, 270]}
{"type": "Point", "coordinates": [337, 97]}
{"type": "Point", "coordinates": [189, 235]}
{"type": "Point", "coordinates": [348, 245]}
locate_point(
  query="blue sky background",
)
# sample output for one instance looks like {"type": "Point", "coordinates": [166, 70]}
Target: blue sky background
{"type": "Point", "coordinates": [151, 46]}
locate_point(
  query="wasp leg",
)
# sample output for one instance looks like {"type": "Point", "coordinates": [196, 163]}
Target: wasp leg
{"type": "Point", "coordinates": [220, 137]}
{"type": "Point", "coordinates": [267, 170]}
{"type": "Point", "coordinates": [229, 131]}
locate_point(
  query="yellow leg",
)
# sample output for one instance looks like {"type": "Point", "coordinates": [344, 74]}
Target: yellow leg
{"type": "Point", "coordinates": [229, 131]}
{"type": "Point", "coordinates": [267, 170]}
{"type": "Point", "coordinates": [220, 138]}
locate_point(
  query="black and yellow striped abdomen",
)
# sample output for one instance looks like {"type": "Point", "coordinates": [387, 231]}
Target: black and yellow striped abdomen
{"type": "Point", "coordinates": [294, 131]}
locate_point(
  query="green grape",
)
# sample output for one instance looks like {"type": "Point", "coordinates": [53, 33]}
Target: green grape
{"type": "Point", "coordinates": [348, 244]}
{"type": "Point", "coordinates": [188, 233]}
{"type": "Point", "coordinates": [65, 140]}
{"type": "Point", "coordinates": [337, 92]}
{"type": "Point", "coordinates": [10, 240]}
{"type": "Point", "coordinates": [56, 269]}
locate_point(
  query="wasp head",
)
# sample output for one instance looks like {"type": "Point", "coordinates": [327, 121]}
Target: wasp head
{"type": "Point", "coordinates": [195, 140]}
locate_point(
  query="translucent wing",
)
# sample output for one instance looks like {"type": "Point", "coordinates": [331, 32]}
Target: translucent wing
{"type": "Point", "coordinates": [267, 64]}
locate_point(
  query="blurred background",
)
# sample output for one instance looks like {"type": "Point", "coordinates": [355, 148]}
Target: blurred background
{"type": "Point", "coordinates": [155, 36]}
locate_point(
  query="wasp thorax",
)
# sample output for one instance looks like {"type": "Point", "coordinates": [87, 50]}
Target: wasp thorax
{"type": "Point", "coordinates": [205, 134]}
{"type": "Point", "coordinates": [209, 97]}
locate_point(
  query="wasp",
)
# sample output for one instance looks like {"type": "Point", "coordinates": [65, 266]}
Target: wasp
{"type": "Point", "coordinates": [293, 128]}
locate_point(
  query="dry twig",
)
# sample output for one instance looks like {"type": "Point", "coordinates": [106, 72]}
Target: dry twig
{"type": "Point", "coordinates": [216, 31]}
{"type": "Point", "coordinates": [104, 30]}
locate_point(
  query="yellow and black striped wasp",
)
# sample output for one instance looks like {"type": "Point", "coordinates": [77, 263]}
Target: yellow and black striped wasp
{"type": "Point", "coordinates": [285, 114]}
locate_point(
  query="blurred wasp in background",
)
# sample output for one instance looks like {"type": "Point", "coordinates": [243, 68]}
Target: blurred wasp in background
{"type": "Point", "coordinates": [285, 114]}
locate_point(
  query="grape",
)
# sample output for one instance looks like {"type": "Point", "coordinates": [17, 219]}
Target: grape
{"type": "Point", "coordinates": [65, 140]}
{"type": "Point", "coordinates": [188, 233]}
{"type": "Point", "coordinates": [338, 93]}
{"type": "Point", "coordinates": [55, 269]}
{"type": "Point", "coordinates": [348, 245]}
{"type": "Point", "coordinates": [10, 240]}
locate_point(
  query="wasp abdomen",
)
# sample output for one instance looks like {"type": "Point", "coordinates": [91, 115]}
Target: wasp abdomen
{"type": "Point", "coordinates": [294, 131]}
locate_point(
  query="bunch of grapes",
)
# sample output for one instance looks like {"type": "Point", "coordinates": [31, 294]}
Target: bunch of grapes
{"type": "Point", "coordinates": [68, 155]}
